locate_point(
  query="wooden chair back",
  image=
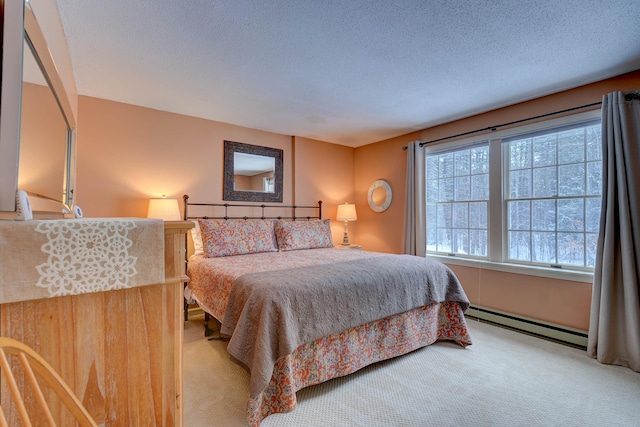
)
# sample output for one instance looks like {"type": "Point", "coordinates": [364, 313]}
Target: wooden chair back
{"type": "Point", "coordinates": [26, 363]}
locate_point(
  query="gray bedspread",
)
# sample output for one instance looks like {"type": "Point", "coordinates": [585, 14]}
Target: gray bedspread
{"type": "Point", "coordinates": [271, 313]}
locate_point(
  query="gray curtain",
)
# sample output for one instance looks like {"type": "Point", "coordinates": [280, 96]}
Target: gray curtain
{"type": "Point", "coordinates": [614, 329]}
{"type": "Point", "coordinates": [415, 237]}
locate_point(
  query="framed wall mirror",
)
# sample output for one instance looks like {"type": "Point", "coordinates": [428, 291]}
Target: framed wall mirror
{"type": "Point", "coordinates": [40, 125]}
{"type": "Point", "coordinates": [379, 195]}
{"type": "Point", "coordinates": [252, 173]}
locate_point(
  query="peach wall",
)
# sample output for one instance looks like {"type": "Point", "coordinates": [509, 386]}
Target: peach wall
{"type": "Point", "coordinates": [128, 154]}
{"type": "Point", "coordinates": [325, 172]}
{"type": "Point", "coordinates": [380, 231]}
{"type": "Point", "coordinates": [557, 301]}
{"type": "Point", "coordinates": [563, 302]}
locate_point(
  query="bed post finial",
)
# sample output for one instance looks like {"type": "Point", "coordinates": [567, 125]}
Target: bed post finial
{"type": "Point", "coordinates": [186, 205]}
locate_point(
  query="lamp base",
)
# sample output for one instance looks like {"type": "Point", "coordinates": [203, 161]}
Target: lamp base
{"type": "Point", "coordinates": [345, 237]}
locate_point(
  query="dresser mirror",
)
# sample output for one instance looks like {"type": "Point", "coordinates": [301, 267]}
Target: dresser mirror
{"type": "Point", "coordinates": [252, 173]}
{"type": "Point", "coordinates": [38, 143]}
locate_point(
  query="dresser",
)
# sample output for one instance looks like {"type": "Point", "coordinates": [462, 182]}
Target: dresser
{"type": "Point", "coordinates": [119, 350]}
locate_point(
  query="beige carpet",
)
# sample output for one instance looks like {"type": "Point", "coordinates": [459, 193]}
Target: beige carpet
{"type": "Point", "coordinates": [503, 379]}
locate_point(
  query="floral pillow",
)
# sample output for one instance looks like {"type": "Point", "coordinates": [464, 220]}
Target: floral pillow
{"type": "Point", "coordinates": [236, 237]}
{"type": "Point", "coordinates": [293, 235]}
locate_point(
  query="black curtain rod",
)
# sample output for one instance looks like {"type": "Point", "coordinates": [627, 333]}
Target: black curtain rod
{"type": "Point", "coordinates": [494, 128]}
{"type": "Point", "coordinates": [632, 95]}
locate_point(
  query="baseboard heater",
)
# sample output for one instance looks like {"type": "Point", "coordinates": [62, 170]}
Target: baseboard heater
{"type": "Point", "coordinates": [561, 334]}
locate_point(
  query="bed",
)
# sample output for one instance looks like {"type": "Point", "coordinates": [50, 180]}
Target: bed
{"type": "Point", "coordinates": [299, 311]}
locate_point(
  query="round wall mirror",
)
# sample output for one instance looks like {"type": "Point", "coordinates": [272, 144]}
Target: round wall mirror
{"type": "Point", "coordinates": [379, 196]}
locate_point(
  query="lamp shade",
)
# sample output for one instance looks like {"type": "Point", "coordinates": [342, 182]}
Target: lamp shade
{"type": "Point", "coordinates": [347, 212]}
{"type": "Point", "coordinates": [166, 209]}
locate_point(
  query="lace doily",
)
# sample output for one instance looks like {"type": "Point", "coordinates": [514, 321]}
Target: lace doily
{"type": "Point", "coordinates": [86, 256]}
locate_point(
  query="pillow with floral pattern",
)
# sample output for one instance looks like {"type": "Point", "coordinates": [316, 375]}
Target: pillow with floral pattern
{"type": "Point", "coordinates": [222, 237]}
{"type": "Point", "coordinates": [292, 235]}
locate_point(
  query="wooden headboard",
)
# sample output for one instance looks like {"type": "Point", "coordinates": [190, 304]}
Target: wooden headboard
{"type": "Point", "coordinates": [254, 211]}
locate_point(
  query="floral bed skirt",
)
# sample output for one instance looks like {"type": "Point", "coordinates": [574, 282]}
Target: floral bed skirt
{"type": "Point", "coordinates": [345, 352]}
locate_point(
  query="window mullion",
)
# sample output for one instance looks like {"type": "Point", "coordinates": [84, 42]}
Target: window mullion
{"type": "Point", "coordinates": [497, 207]}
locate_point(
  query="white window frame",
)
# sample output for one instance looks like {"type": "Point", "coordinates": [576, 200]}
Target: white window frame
{"type": "Point", "coordinates": [497, 224]}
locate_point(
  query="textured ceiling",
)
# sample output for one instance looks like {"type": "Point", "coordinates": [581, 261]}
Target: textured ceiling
{"type": "Point", "coordinates": [349, 72]}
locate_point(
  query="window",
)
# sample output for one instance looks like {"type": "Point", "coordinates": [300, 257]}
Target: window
{"type": "Point", "coordinates": [457, 201]}
{"type": "Point", "coordinates": [547, 212]}
{"type": "Point", "coordinates": [554, 195]}
{"type": "Point", "coordinates": [268, 184]}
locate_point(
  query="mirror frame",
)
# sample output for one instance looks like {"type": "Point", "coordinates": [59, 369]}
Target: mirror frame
{"type": "Point", "coordinates": [12, 45]}
{"type": "Point", "coordinates": [380, 183]}
{"type": "Point", "coordinates": [229, 193]}
{"type": "Point", "coordinates": [31, 34]}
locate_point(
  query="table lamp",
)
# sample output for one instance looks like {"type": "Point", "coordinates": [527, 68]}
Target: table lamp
{"type": "Point", "coordinates": [165, 209]}
{"type": "Point", "coordinates": [346, 213]}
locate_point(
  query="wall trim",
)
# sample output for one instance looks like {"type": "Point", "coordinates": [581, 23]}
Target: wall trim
{"type": "Point", "coordinates": [546, 330]}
